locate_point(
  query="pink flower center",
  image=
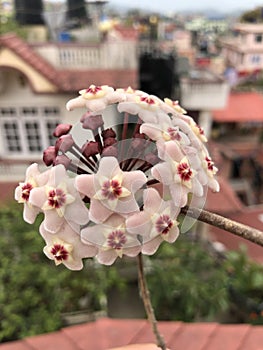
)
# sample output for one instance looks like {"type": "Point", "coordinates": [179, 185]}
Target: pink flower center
{"type": "Point", "coordinates": [93, 89]}
{"type": "Point", "coordinates": [164, 224]}
{"type": "Point", "coordinates": [60, 252]}
{"type": "Point", "coordinates": [174, 134]}
{"type": "Point", "coordinates": [148, 100]}
{"type": "Point", "coordinates": [116, 239]}
{"type": "Point", "coordinates": [26, 188]}
{"type": "Point", "coordinates": [56, 198]}
{"type": "Point", "coordinates": [111, 189]}
{"type": "Point", "coordinates": [184, 171]}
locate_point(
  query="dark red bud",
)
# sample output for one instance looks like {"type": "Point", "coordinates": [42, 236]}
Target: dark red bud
{"type": "Point", "coordinates": [62, 129]}
{"type": "Point", "coordinates": [49, 155]}
{"type": "Point", "coordinates": [64, 143]}
{"type": "Point", "coordinates": [90, 148]}
{"type": "Point", "coordinates": [109, 141]}
{"type": "Point", "coordinates": [108, 133]}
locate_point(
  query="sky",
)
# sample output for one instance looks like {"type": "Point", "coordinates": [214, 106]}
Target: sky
{"type": "Point", "coordinates": [171, 6]}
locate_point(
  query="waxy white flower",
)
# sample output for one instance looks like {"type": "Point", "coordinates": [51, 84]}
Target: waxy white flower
{"type": "Point", "coordinates": [22, 192]}
{"type": "Point", "coordinates": [59, 201]}
{"type": "Point", "coordinates": [110, 189]}
{"type": "Point", "coordinates": [131, 180]}
{"type": "Point", "coordinates": [65, 247]}
{"type": "Point", "coordinates": [95, 98]}
{"type": "Point", "coordinates": [112, 239]}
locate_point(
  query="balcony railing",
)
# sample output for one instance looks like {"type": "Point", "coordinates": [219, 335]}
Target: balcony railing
{"type": "Point", "coordinates": [110, 55]}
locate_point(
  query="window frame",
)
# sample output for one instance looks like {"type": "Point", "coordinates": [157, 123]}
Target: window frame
{"type": "Point", "coordinates": [41, 118]}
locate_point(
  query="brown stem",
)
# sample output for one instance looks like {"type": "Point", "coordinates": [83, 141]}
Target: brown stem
{"type": "Point", "coordinates": [145, 295]}
{"type": "Point", "coordinates": [244, 231]}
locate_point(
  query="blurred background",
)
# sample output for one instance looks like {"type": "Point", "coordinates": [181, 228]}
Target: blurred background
{"type": "Point", "coordinates": [211, 60]}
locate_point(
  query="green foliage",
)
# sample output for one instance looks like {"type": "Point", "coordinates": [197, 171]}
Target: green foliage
{"type": "Point", "coordinates": [252, 16]}
{"type": "Point", "coordinates": [245, 287]}
{"type": "Point", "coordinates": [186, 282]}
{"type": "Point", "coordinates": [8, 24]}
{"type": "Point", "coordinates": [33, 291]}
{"type": "Point", "coordinates": [189, 284]}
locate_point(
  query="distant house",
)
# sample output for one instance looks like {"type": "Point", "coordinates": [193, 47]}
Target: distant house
{"type": "Point", "coordinates": [244, 49]}
{"type": "Point", "coordinates": [35, 84]}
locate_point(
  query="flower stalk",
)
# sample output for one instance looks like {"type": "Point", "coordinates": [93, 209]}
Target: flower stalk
{"type": "Point", "coordinates": [249, 233]}
{"type": "Point", "coordinates": [145, 295]}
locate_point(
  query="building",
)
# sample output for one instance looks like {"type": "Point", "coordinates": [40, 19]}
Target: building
{"type": "Point", "coordinates": [244, 49]}
{"type": "Point", "coordinates": [36, 82]}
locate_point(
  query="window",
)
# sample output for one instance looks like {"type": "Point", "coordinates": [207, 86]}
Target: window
{"type": "Point", "coordinates": [258, 38]}
{"type": "Point", "coordinates": [28, 130]}
{"type": "Point", "coordinates": [255, 59]}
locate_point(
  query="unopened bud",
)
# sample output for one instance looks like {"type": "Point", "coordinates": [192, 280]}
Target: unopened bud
{"type": "Point", "coordinates": [64, 143]}
{"type": "Point", "coordinates": [108, 133]}
{"type": "Point", "coordinates": [49, 155]}
{"type": "Point", "coordinates": [62, 129]}
{"type": "Point", "coordinates": [90, 148]}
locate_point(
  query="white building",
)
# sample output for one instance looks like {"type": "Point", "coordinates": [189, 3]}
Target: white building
{"type": "Point", "coordinates": [37, 81]}
{"type": "Point", "coordinates": [244, 49]}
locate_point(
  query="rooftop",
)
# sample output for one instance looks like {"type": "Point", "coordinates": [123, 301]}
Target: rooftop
{"type": "Point", "coordinates": [106, 333]}
{"type": "Point", "coordinates": [67, 80]}
{"type": "Point", "coordinates": [241, 107]}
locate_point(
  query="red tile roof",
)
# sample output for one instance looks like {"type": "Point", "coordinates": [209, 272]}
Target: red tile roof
{"type": "Point", "coordinates": [68, 80]}
{"type": "Point", "coordinates": [241, 107]}
{"type": "Point", "coordinates": [224, 201]}
{"type": "Point", "coordinates": [251, 216]}
{"type": "Point", "coordinates": [107, 333]}
{"type": "Point", "coordinates": [27, 54]}
{"type": "Point", "coordinates": [126, 32]}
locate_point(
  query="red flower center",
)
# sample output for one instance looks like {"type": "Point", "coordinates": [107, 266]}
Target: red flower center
{"type": "Point", "coordinates": [60, 253]}
{"type": "Point", "coordinates": [184, 171]}
{"type": "Point", "coordinates": [148, 100]}
{"type": "Point", "coordinates": [93, 89]}
{"type": "Point", "coordinates": [56, 198]}
{"type": "Point", "coordinates": [26, 188]}
{"type": "Point", "coordinates": [164, 224]}
{"type": "Point", "coordinates": [116, 239]}
{"type": "Point", "coordinates": [111, 189]}
{"type": "Point", "coordinates": [210, 163]}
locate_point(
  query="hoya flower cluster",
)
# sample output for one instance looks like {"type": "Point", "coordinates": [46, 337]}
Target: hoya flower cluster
{"type": "Point", "coordinates": [121, 191]}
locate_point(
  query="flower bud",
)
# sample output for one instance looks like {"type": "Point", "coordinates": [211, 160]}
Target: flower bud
{"type": "Point", "coordinates": [49, 155]}
{"type": "Point", "coordinates": [62, 129]}
{"type": "Point", "coordinates": [109, 141]}
{"type": "Point", "coordinates": [108, 133]}
{"type": "Point", "coordinates": [90, 148]}
{"type": "Point", "coordinates": [64, 143]}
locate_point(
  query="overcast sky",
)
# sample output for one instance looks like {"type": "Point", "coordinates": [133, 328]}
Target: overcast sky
{"type": "Point", "coordinates": [167, 6]}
